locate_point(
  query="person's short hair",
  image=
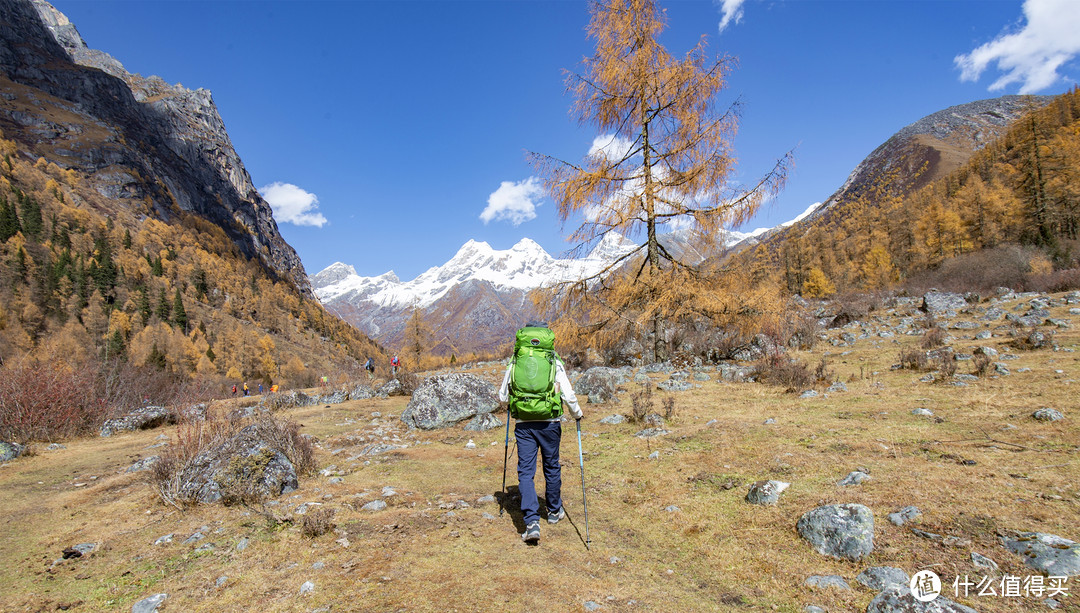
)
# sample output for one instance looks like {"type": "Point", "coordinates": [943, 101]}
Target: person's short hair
{"type": "Point", "coordinates": [536, 324]}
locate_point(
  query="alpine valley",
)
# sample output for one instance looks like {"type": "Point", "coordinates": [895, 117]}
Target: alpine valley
{"type": "Point", "coordinates": [476, 299]}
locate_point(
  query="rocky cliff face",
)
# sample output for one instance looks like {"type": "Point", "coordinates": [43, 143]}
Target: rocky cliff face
{"type": "Point", "coordinates": [152, 147]}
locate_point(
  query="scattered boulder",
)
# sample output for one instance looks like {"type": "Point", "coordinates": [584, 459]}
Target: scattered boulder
{"type": "Point", "coordinates": [881, 577]}
{"type": "Point", "coordinates": [143, 464]}
{"type": "Point", "coordinates": [361, 392]}
{"type": "Point", "coordinates": [904, 515]}
{"type": "Point", "coordinates": [844, 531]}
{"type": "Point", "coordinates": [244, 466]}
{"type": "Point", "coordinates": [983, 562]}
{"type": "Point", "coordinates": [827, 581]}
{"type": "Point", "coordinates": [1048, 414]}
{"type": "Point", "coordinates": [599, 383]}
{"type": "Point", "coordinates": [765, 492]}
{"type": "Point", "coordinates": [10, 451]}
{"type": "Point", "coordinates": [393, 387]}
{"type": "Point", "coordinates": [80, 550]}
{"type": "Point", "coordinates": [374, 505]}
{"type": "Point", "coordinates": [1047, 553]}
{"type": "Point", "coordinates": [149, 605]}
{"type": "Point", "coordinates": [899, 599]}
{"type": "Point", "coordinates": [336, 397]}
{"type": "Point", "coordinates": [483, 421]}
{"type": "Point", "coordinates": [758, 347]}
{"type": "Point", "coordinates": [854, 477]}
{"type": "Point", "coordinates": [613, 419]}
{"type": "Point", "coordinates": [942, 302]}
{"type": "Point", "coordinates": [444, 400]}
{"type": "Point", "coordinates": [674, 385]}
{"type": "Point", "coordinates": [142, 418]}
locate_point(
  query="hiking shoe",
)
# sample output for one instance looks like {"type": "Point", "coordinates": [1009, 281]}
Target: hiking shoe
{"type": "Point", "coordinates": [532, 533]}
{"type": "Point", "coordinates": [553, 518]}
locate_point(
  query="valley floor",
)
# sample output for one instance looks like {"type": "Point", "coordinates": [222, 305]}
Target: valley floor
{"type": "Point", "coordinates": [667, 516]}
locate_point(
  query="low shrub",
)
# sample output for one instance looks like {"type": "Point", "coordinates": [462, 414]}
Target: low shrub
{"type": "Point", "coordinates": [317, 522]}
{"type": "Point", "coordinates": [791, 374]}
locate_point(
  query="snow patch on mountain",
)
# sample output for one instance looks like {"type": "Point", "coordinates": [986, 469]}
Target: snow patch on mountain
{"type": "Point", "coordinates": [525, 266]}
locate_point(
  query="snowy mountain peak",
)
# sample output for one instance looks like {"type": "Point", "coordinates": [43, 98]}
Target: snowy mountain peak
{"type": "Point", "coordinates": [524, 267]}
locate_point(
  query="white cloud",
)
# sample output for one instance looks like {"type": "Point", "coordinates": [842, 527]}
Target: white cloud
{"type": "Point", "coordinates": [514, 202]}
{"type": "Point", "coordinates": [611, 146]}
{"type": "Point", "coordinates": [1033, 54]}
{"type": "Point", "coordinates": [731, 10]}
{"type": "Point", "coordinates": [292, 204]}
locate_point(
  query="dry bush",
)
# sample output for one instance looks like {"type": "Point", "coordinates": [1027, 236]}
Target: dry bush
{"type": "Point", "coordinates": [913, 358]}
{"type": "Point", "coordinates": [791, 374]}
{"type": "Point", "coordinates": [317, 522]}
{"type": "Point", "coordinates": [934, 337]}
{"type": "Point", "coordinates": [978, 271]}
{"type": "Point", "coordinates": [946, 363]}
{"type": "Point", "coordinates": [669, 407]}
{"type": "Point", "coordinates": [46, 401]}
{"type": "Point", "coordinates": [1057, 281]}
{"type": "Point", "coordinates": [641, 404]}
{"type": "Point", "coordinates": [980, 363]}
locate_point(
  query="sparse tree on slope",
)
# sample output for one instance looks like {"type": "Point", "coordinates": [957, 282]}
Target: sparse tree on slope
{"type": "Point", "coordinates": [417, 337]}
{"type": "Point", "coordinates": [667, 162]}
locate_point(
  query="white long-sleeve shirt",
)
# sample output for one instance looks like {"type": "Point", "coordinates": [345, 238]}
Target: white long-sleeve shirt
{"type": "Point", "coordinates": [562, 384]}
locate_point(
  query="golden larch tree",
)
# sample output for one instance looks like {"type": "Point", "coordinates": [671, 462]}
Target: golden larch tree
{"type": "Point", "coordinates": [667, 162]}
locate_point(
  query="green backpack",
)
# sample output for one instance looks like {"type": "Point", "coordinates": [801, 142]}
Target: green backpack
{"type": "Point", "coordinates": [532, 376]}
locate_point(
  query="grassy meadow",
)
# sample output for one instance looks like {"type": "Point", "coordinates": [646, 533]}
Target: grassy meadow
{"type": "Point", "coordinates": [981, 467]}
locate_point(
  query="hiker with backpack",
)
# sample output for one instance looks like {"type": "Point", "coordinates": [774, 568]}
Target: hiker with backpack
{"type": "Point", "coordinates": [369, 366]}
{"type": "Point", "coordinates": [535, 387]}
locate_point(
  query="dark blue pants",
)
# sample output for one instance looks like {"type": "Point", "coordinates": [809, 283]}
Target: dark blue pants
{"type": "Point", "coordinates": [542, 437]}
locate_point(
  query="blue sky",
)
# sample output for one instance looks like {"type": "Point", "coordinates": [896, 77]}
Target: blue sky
{"type": "Point", "coordinates": [382, 131]}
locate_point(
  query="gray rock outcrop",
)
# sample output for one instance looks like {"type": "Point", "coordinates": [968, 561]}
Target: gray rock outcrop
{"type": "Point", "coordinates": [899, 599]}
{"type": "Point", "coordinates": [10, 451]}
{"type": "Point", "coordinates": [765, 492]}
{"type": "Point", "coordinates": [1046, 553]}
{"type": "Point", "coordinates": [445, 400]}
{"type": "Point", "coordinates": [246, 466]}
{"type": "Point", "coordinates": [599, 383]}
{"type": "Point", "coordinates": [142, 418]}
{"type": "Point", "coordinates": [881, 577]}
{"type": "Point", "coordinates": [843, 531]}
{"type": "Point", "coordinates": [942, 302]}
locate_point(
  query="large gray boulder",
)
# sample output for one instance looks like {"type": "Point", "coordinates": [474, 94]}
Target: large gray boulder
{"type": "Point", "coordinates": [844, 531]}
{"type": "Point", "coordinates": [599, 383]}
{"type": "Point", "coordinates": [942, 302]}
{"type": "Point", "coordinates": [141, 418]}
{"type": "Point", "coordinates": [249, 466]}
{"type": "Point", "coordinates": [899, 599]}
{"type": "Point", "coordinates": [445, 400]}
{"type": "Point", "coordinates": [1047, 553]}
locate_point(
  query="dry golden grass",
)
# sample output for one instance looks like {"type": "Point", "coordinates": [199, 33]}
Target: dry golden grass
{"type": "Point", "coordinates": [427, 552]}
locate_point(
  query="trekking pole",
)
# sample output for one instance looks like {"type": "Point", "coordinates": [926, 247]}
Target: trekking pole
{"type": "Point", "coordinates": [581, 463]}
{"type": "Point", "coordinates": [506, 454]}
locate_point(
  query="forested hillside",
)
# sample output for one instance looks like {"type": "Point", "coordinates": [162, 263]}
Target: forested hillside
{"type": "Point", "coordinates": [1020, 190]}
{"type": "Point", "coordinates": [83, 280]}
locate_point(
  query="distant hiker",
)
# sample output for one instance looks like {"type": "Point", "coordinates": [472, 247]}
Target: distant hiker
{"type": "Point", "coordinates": [246, 390]}
{"type": "Point", "coordinates": [233, 389]}
{"type": "Point", "coordinates": [369, 366]}
{"type": "Point", "coordinates": [535, 387]}
{"type": "Point", "coordinates": [273, 388]}
{"type": "Point", "coordinates": [394, 364]}
{"type": "Point", "coordinates": [260, 389]}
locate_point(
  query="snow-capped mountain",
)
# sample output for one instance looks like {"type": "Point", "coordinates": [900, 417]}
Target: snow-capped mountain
{"type": "Point", "coordinates": [525, 266]}
{"type": "Point", "coordinates": [476, 298]}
